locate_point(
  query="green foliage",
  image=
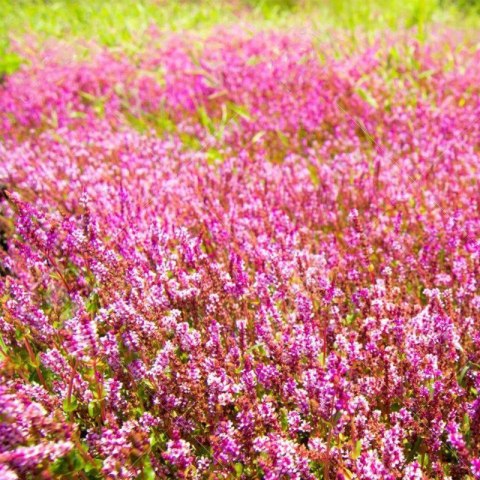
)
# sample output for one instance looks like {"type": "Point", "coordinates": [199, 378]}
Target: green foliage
{"type": "Point", "coordinates": [69, 464]}
{"type": "Point", "coordinates": [70, 404]}
{"type": "Point", "coordinates": [123, 23]}
{"type": "Point", "coordinates": [10, 62]}
{"type": "Point", "coordinates": [114, 23]}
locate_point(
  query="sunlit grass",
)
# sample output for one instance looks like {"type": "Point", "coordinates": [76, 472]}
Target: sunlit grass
{"type": "Point", "coordinates": [123, 23]}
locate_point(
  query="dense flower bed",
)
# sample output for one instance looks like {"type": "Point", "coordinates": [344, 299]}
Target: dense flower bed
{"type": "Point", "coordinates": [247, 256]}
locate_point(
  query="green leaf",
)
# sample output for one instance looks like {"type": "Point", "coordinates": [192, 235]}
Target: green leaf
{"type": "Point", "coordinates": [321, 358]}
{"type": "Point", "coordinates": [213, 156]}
{"type": "Point", "coordinates": [73, 462]}
{"type": "Point", "coordinates": [78, 462]}
{"type": "Point", "coordinates": [463, 373]}
{"type": "Point", "coordinates": [337, 417]}
{"type": "Point", "coordinates": [357, 450]}
{"type": "Point", "coordinates": [93, 409]}
{"type": "Point", "coordinates": [148, 471]}
{"type": "Point", "coordinates": [350, 318]}
{"type": "Point", "coordinates": [183, 356]}
{"type": "Point", "coordinates": [93, 303]}
{"type": "Point", "coordinates": [70, 405]}
{"type": "Point", "coordinates": [92, 470]}
{"type": "Point", "coordinates": [367, 97]}
{"type": "Point", "coordinates": [283, 419]}
{"type": "Point", "coordinates": [205, 120]}
{"type": "Point", "coordinates": [415, 447]}
{"type": "Point", "coordinates": [3, 347]}
{"type": "Point", "coordinates": [61, 467]}
{"type": "Point", "coordinates": [240, 111]}
{"type": "Point", "coordinates": [238, 468]}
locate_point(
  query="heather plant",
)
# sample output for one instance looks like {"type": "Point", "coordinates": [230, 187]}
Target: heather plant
{"type": "Point", "coordinates": [250, 254]}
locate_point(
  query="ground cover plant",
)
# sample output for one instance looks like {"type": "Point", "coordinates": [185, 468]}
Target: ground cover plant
{"type": "Point", "coordinates": [240, 251]}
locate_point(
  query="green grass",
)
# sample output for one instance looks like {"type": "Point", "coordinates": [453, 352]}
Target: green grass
{"type": "Point", "coordinates": [111, 22]}
{"type": "Point", "coordinates": [117, 22]}
{"type": "Point", "coordinates": [122, 23]}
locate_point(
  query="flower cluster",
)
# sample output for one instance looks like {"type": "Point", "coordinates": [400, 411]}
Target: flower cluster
{"type": "Point", "coordinates": [245, 256]}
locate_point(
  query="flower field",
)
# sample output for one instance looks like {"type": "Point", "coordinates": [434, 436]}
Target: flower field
{"type": "Point", "coordinates": [247, 254]}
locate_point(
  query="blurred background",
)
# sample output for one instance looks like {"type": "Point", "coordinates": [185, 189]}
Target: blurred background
{"type": "Point", "coordinates": [123, 23]}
